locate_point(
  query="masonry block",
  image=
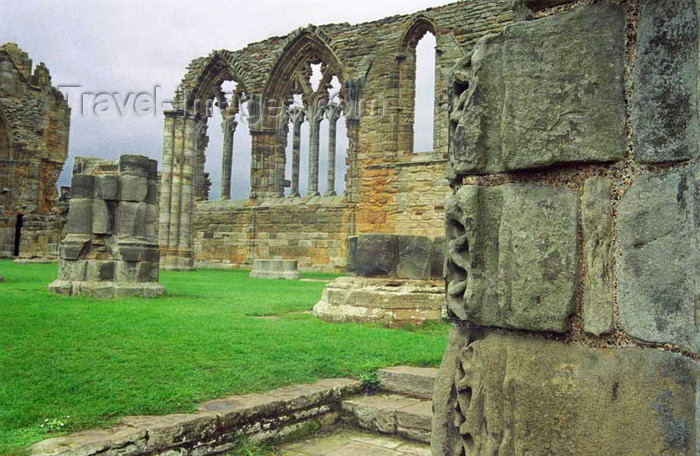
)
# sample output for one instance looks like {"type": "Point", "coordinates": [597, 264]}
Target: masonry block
{"type": "Point", "coordinates": [511, 256]}
{"type": "Point", "coordinates": [658, 258]}
{"type": "Point", "coordinates": [414, 257]}
{"type": "Point", "coordinates": [133, 188]}
{"type": "Point", "coordinates": [80, 219]}
{"type": "Point", "coordinates": [529, 99]}
{"type": "Point", "coordinates": [82, 186]}
{"type": "Point", "coordinates": [517, 392]}
{"type": "Point", "coordinates": [596, 220]}
{"type": "Point", "coordinates": [107, 187]}
{"type": "Point", "coordinates": [377, 255]}
{"type": "Point", "coordinates": [665, 105]}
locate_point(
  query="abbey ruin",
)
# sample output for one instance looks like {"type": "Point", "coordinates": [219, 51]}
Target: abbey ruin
{"type": "Point", "coordinates": [560, 204]}
{"type": "Point", "coordinates": [34, 125]}
{"type": "Point", "coordinates": [388, 187]}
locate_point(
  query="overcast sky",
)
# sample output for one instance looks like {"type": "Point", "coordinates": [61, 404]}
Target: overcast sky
{"type": "Point", "coordinates": [132, 46]}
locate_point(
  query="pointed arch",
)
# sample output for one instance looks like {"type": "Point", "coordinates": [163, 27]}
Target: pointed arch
{"type": "Point", "coordinates": [417, 28]}
{"type": "Point", "coordinates": [204, 79]}
{"type": "Point", "coordinates": [305, 45]}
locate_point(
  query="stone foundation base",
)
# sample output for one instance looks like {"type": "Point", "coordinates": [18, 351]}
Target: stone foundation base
{"type": "Point", "coordinates": [391, 301]}
{"type": "Point", "coordinates": [275, 269]}
{"type": "Point", "coordinates": [47, 260]}
{"type": "Point", "coordinates": [106, 290]}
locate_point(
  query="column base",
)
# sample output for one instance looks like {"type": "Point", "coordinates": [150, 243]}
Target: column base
{"type": "Point", "coordinates": [176, 260]}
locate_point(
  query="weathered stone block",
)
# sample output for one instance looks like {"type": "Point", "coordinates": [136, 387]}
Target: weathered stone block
{"type": "Point", "coordinates": [133, 188]}
{"type": "Point", "coordinates": [377, 255]}
{"type": "Point", "coordinates": [132, 216]}
{"type": "Point", "coordinates": [516, 395]}
{"type": "Point", "coordinates": [665, 105]}
{"type": "Point", "coordinates": [100, 271]}
{"type": "Point", "coordinates": [82, 186]}
{"type": "Point", "coordinates": [596, 220]}
{"type": "Point", "coordinates": [72, 269]}
{"type": "Point", "coordinates": [138, 252]}
{"type": "Point", "coordinates": [437, 258]}
{"type": "Point", "coordinates": [80, 219]}
{"type": "Point", "coordinates": [102, 217]}
{"type": "Point", "coordinates": [74, 246]}
{"type": "Point", "coordinates": [275, 269]}
{"type": "Point", "coordinates": [657, 264]}
{"type": "Point", "coordinates": [512, 256]}
{"type": "Point", "coordinates": [531, 99]}
{"type": "Point", "coordinates": [351, 265]}
{"type": "Point", "coordinates": [136, 165]}
{"type": "Point", "coordinates": [107, 187]}
{"type": "Point", "coordinates": [414, 257]}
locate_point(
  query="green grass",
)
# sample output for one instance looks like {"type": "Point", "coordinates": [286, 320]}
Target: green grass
{"type": "Point", "coordinates": [96, 361]}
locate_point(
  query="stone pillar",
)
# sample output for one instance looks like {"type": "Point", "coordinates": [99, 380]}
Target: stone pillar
{"type": "Point", "coordinates": [178, 190]}
{"type": "Point", "coordinates": [571, 265]}
{"type": "Point", "coordinates": [315, 116]}
{"type": "Point", "coordinates": [110, 250]}
{"type": "Point", "coordinates": [297, 115]}
{"type": "Point", "coordinates": [333, 112]}
{"type": "Point", "coordinates": [229, 129]}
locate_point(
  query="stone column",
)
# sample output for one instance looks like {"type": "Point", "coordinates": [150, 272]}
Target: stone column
{"type": "Point", "coordinates": [315, 118]}
{"type": "Point", "coordinates": [178, 190]}
{"type": "Point", "coordinates": [333, 112]}
{"type": "Point", "coordinates": [298, 118]}
{"type": "Point", "coordinates": [229, 128]}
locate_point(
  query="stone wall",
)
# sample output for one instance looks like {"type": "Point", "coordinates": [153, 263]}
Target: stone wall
{"type": "Point", "coordinates": [389, 188]}
{"type": "Point", "coordinates": [311, 230]}
{"type": "Point", "coordinates": [34, 126]}
{"type": "Point", "coordinates": [572, 256]}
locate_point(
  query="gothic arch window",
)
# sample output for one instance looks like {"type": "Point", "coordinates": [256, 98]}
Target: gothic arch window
{"type": "Point", "coordinates": [417, 87]}
{"type": "Point", "coordinates": [223, 141]}
{"type": "Point", "coordinates": [308, 81]}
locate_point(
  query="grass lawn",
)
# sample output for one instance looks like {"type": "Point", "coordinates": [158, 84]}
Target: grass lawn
{"type": "Point", "coordinates": [96, 361]}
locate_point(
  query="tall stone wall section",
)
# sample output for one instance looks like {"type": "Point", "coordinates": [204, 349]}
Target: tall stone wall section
{"type": "Point", "coordinates": [572, 236]}
{"type": "Point", "coordinates": [312, 231]}
{"type": "Point", "coordinates": [389, 188]}
{"type": "Point", "coordinates": [34, 127]}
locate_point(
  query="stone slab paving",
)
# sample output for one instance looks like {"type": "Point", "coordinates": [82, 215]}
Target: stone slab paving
{"type": "Point", "coordinates": [354, 443]}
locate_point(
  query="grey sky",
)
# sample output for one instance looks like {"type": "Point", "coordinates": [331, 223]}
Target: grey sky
{"type": "Point", "coordinates": [133, 45]}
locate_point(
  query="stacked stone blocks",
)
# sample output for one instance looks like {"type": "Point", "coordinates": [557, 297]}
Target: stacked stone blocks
{"type": "Point", "coordinates": [396, 281]}
{"type": "Point", "coordinates": [572, 250]}
{"type": "Point", "coordinates": [110, 249]}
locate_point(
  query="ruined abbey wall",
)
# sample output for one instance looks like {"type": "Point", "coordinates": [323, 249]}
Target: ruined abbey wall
{"type": "Point", "coordinates": [389, 188]}
{"type": "Point", "coordinates": [34, 125]}
{"type": "Point", "coordinates": [572, 235]}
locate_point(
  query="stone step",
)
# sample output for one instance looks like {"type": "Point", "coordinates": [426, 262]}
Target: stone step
{"type": "Point", "coordinates": [409, 381]}
{"type": "Point", "coordinates": [392, 414]}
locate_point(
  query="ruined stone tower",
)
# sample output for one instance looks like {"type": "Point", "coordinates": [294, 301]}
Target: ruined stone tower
{"type": "Point", "coordinates": [34, 126]}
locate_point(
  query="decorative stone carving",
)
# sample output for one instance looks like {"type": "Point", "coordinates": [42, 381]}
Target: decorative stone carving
{"type": "Point", "coordinates": [110, 250]}
{"type": "Point", "coordinates": [511, 395]}
{"type": "Point", "coordinates": [511, 256]}
{"type": "Point", "coordinates": [526, 98]}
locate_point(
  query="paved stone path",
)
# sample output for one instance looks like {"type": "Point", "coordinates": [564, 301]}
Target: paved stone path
{"type": "Point", "coordinates": [355, 443]}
